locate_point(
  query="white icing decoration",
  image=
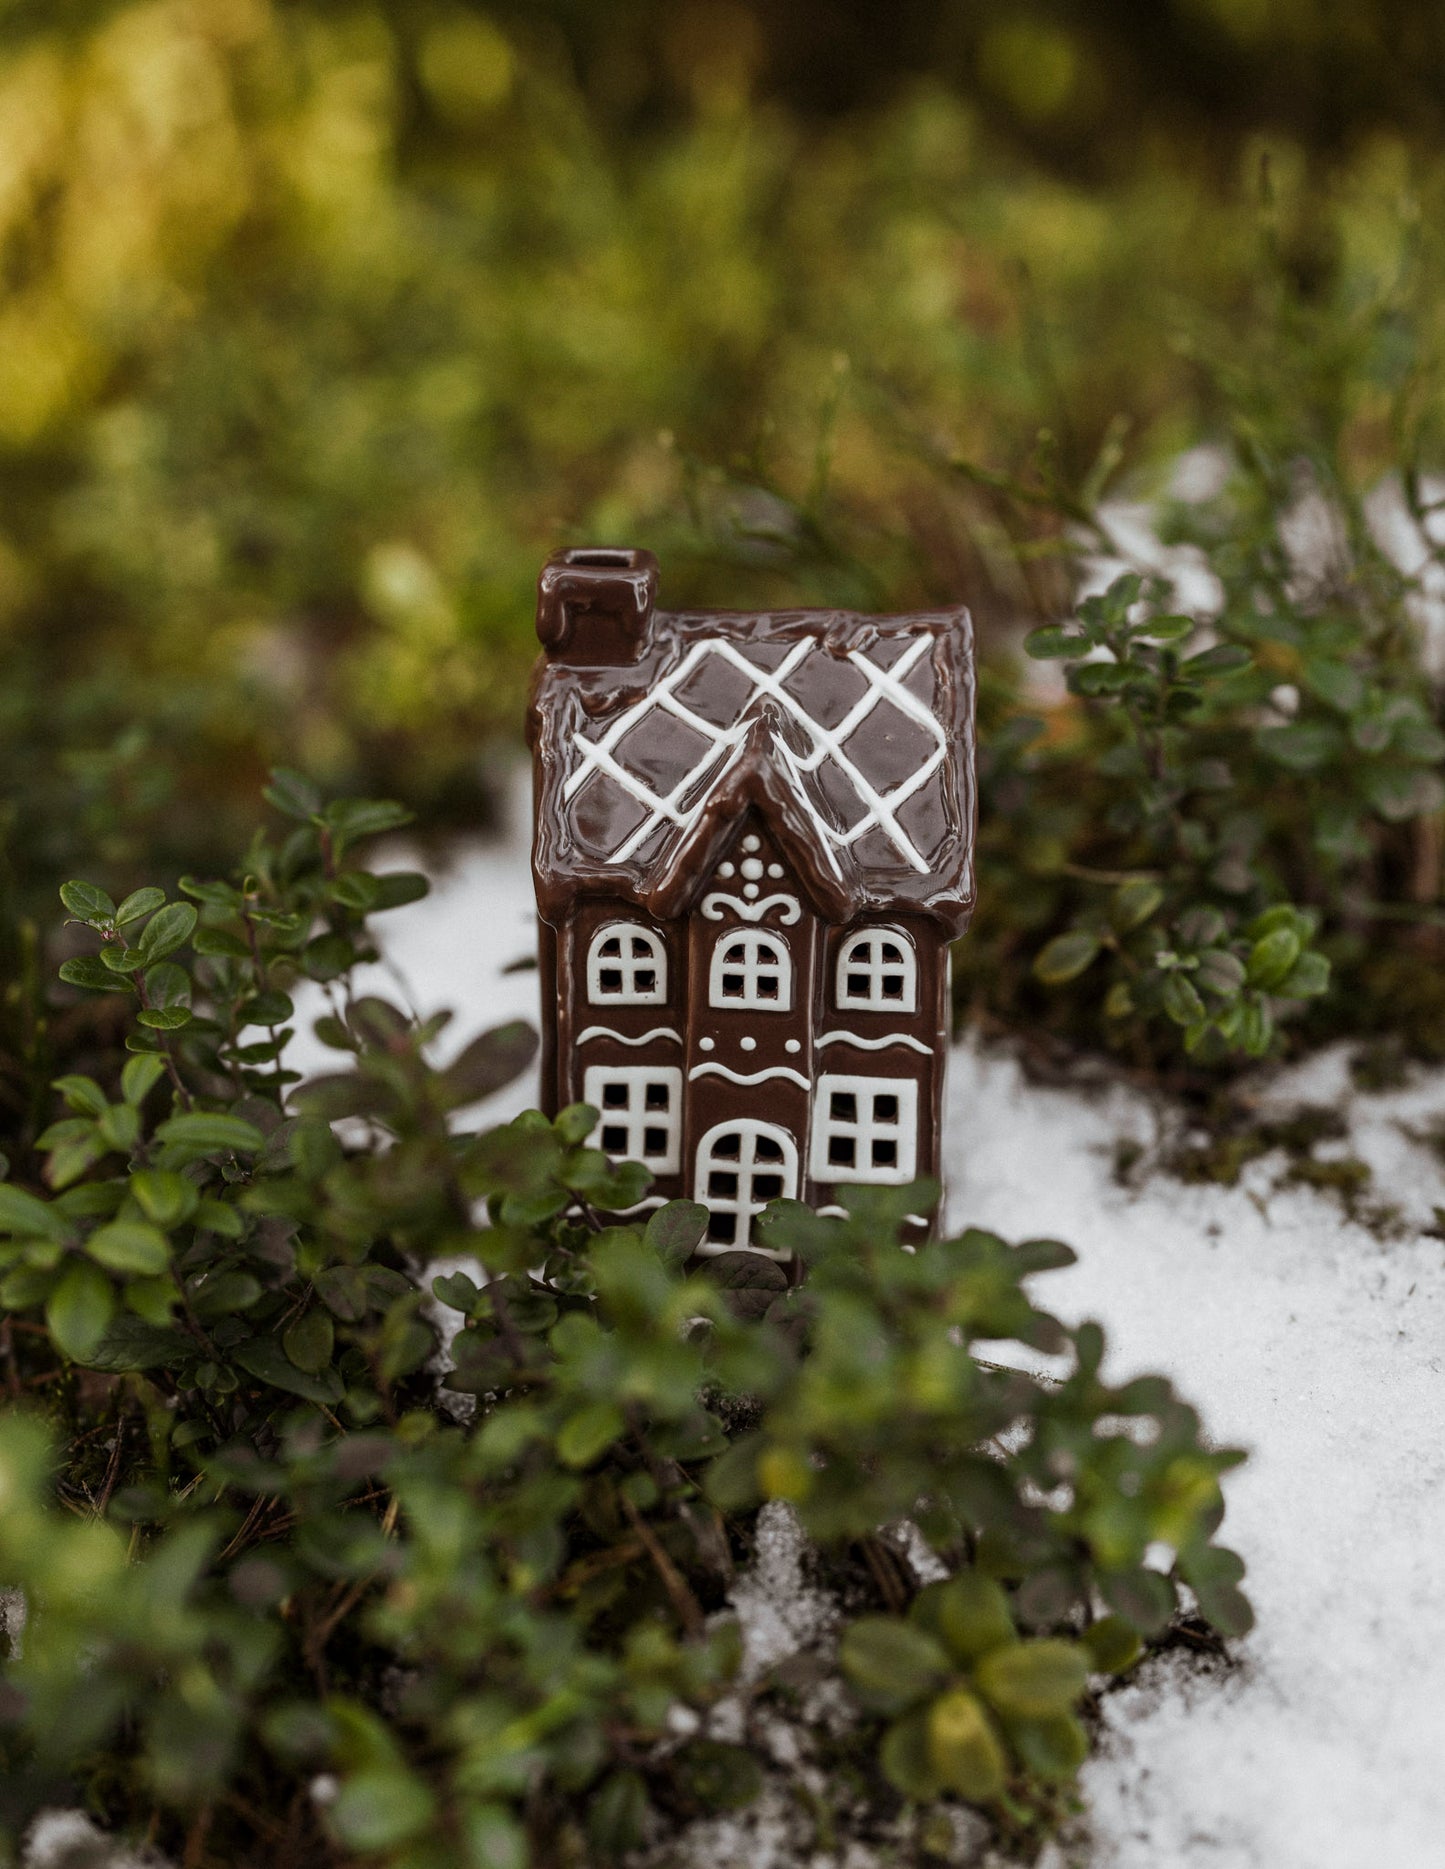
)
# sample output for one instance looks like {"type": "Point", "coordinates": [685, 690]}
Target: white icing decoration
{"type": "Point", "coordinates": [752, 868]}
{"type": "Point", "coordinates": [748, 1044]}
{"type": "Point", "coordinates": [775, 870]}
{"type": "Point", "coordinates": [867, 978]}
{"type": "Point", "coordinates": [635, 960]}
{"type": "Point", "coordinates": [865, 1130]}
{"type": "Point", "coordinates": [792, 1044]}
{"type": "Point", "coordinates": [726, 869]}
{"type": "Point", "coordinates": [750, 970]}
{"type": "Point", "coordinates": [724, 745]}
{"type": "Point", "coordinates": [706, 1044]}
{"type": "Point", "coordinates": [752, 1077]}
{"type": "Point", "coordinates": [714, 904]}
{"type": "Point", "coordinates": [750, 843]}
{"type": "Point", "coordinates": [643, 1122]}
{"type": "Point", "coordinates": [741, 1167]}
{"type": "Point", "coordinates": [606, 1031]}
{"type": "Point", "coordinates": [750, 889]}
{"type": "Point", "coordinates": [876, 1044]}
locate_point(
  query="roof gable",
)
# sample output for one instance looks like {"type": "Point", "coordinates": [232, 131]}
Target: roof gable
{"type": "Point", "coordinates": [851, 735]}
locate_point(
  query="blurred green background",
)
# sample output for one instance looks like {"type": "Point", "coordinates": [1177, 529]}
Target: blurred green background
{"type": "Point", "coordinates": [323, 321]}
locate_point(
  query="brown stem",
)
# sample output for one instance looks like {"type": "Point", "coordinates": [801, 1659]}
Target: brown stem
{"type": "Point", "coordinates": [689, 1610]}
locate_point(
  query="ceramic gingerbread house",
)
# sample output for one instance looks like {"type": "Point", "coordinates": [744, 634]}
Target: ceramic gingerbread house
{"type": "Point", "coordinates": [753, 844]}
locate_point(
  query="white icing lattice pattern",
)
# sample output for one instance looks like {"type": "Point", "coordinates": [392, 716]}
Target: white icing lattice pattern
{"type": "Point", "coordinates": [683, 803]}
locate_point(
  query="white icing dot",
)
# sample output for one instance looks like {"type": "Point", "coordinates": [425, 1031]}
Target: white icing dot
{"type": "Point", "coordinates": [752, 869]}
{"type": "Point", "coordinates": [792, 1045]}
{"type": "Point", "coordinates": [726, 869]}
{"type": "Point", "coordinates": [750, 890]}
{"type": "Point", "coordinates": [752, 843]}
{"type": "Point", "coordinates": [775, 870]}
{"type": "Point", "coordinates": [748, 1044]}
{"type": "Point", "coordinates": [706, 1044]}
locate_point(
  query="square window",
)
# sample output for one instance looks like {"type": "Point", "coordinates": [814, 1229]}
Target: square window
{"type": "Point", "coordinates": [893, 986]}
{"type": "Point", "coordinates": [865, 1129]}
{"type": "Point", "coordinates": [610, 979]}
{"type": "Point", "coordinates": [723, 1228]}
{"type": "Point", "coordinates": [858, 986]}
{"type": "Point", "coordinates": [658, 1097]}
{"type": "Point", "coordinates": [641, 1107]}
{"type": "Point", "coordinates": [732, 984]}
{"type": "Point", "coordinates": [767, 1187]}
{"type": "Point", "coordinates": [614, 1139]}
{"type": "Point", "coordinates": [644, 980]}
{"type": "Point", "coordinates": [654, 1142]}
{"type": "Point", "coordinates": [767, 989]}
{"type": "Point", "coordinates": [615, 1096]}
{"type": "Point", "coordinates": [722, 1186]}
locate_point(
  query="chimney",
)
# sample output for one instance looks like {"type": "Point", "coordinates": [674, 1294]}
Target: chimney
{"type": "Point", "coordinates": [594, 605]}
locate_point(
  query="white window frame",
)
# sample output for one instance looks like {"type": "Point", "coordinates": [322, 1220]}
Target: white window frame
{"type": "Point", "coordinates": [778, 1161]}
{"type": "Point", "coordinates": [765, 958]}
{"type": "Point", "coordinates": [633, 1117]}
{"type": "Point", "coordinates": [639, 951]}
{"type": "Point", "coordinates": [875, 972]}
{"type": "Point", "coordinates": [865, 1129]}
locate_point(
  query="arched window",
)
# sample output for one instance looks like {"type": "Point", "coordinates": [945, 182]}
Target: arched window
{"type": "Point", "coordinates": [751, 970]}
{"type": "Point", "coordinates": [626, 966]}
{"type": "Point", "coordinates": [741, 1167]}
{"type": "Point", "coordinates": [877, 970]}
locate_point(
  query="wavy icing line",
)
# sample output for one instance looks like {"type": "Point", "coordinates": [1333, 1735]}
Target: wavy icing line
{"type": "Point", "coordinates": [606, 1031]}
{"type": "Point", "coordinates": [875, 1044]}
{"type": "Point", "coordinates": [754, 1077]}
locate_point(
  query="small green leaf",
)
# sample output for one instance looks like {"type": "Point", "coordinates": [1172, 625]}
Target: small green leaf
{"type": "Point", "coordinates": [968, 1614]}
{"type": "Point", "coordinates": [139, 1077]}
{"type": "Point", "coordinates": [588, 1433]}
{"type": "Point", "coordinates": [1181, 1001]}
{"type": "Point", "coordinates": [1052, 642]}
{"type": "Point", "coordinates": [1033, 1680]}
{"type": "Point", "coordinates": [1272, 957]}
{"type": "Point", "coordinates": [907, 1759]}
{"type": "Point", "coordinates": [130, 1246]}
{"type": "Point", "coordinates": [1112, 1645]}
{"type": "Point", "coordinates": [310, 1341]}
{"type": "Point", "coordinates": [676, 1229]}
{"type": "Point", "coordinates": [82, 1094]}
{"type": "Point", "coordinates": [79, 1310]}
{"type": "Point", "coordinates": [140, 902]}
{"type": "Point", "coordinates": [264, 1358]}
{"type": "Point", "coordinates": [163, 1197]}
{"type": "Point", "coordinates": [28, 1218]}
{"type": "Point", "coordinates": [963, 1748]}
{"type": "Point", "coordinates": [292, 793]}
{"type": "Point", "coordinates": [203, 1132]}
{"type": "Point", "coordinates": [168, 929]}
{"type": "Point", "coordinates": [88, 904]}
{"type": "Point", "coordinates": [1052, 1748]}
{"type": "Point", "coordinates": [1134, 902]}
{"type": "Point", "coordinates": [1066, 957]}
{"type": "Point", "coordinates": [381, 1809]}
{"type": "Point", "coordinates": [89, 971]}
{"type": "Point", "coordinates": [890, 1664]}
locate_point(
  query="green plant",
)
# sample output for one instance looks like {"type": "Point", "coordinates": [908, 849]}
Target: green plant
{"type": "Point", "coordinates": [286, 1594]}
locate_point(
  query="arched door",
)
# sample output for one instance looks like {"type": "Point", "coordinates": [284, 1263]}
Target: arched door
{"type": "Point", "coordinates": [741, 1166]}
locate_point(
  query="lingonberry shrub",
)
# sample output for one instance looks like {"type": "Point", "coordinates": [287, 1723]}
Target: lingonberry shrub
{"type": "Point", "coordinates": [286, 1581]}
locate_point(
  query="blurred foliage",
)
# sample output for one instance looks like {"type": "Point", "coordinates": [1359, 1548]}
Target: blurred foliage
{"type": "Point", "coordinates": [285, 1594]}
{"type": "Point", "coordinates": [322, 322]}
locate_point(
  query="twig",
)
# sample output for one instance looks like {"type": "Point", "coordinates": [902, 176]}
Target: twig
{"type": "Point", "coordinates": [689, 1610]}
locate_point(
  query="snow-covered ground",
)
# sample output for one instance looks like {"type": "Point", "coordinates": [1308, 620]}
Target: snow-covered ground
{"type": "Point", "coordinates": [1298, 1333]}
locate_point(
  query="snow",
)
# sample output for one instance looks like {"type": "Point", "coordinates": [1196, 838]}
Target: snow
{"type": "Point", "coordinates": [1298, 1332]}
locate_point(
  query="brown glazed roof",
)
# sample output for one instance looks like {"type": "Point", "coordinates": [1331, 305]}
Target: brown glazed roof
{"type": "Point", "coordinates": [852, 736]}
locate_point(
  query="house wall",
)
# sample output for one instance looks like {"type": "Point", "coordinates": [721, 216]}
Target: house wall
{"type": "Point", "coordinates": [740, 1066]}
